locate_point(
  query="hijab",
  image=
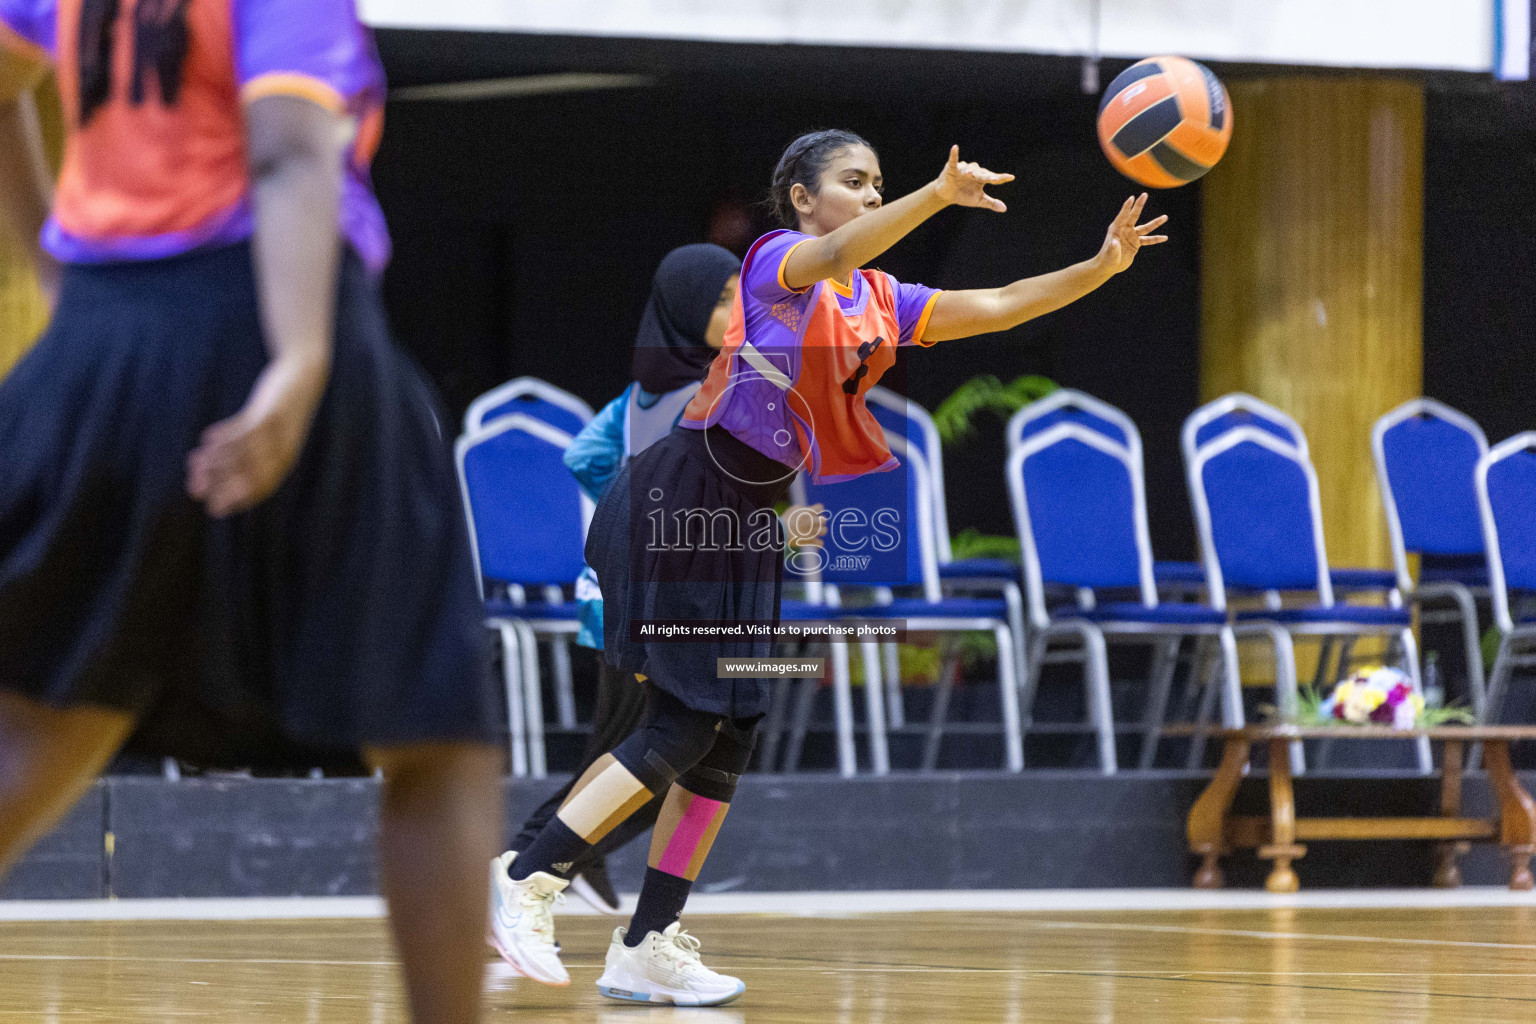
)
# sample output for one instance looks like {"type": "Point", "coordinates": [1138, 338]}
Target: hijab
{"type": "Point", "coordinates": [670, 350]}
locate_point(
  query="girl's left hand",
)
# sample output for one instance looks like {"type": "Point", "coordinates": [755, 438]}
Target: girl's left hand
{"type": "Point", "coordinates": [963, 183]}
{"type": "Point", "coordinates": [1125, 237]}
{"type": "Point", "coordinates": [806, 525]}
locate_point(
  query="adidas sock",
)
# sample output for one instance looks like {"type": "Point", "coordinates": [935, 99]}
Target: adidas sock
{"type": "Point", "coordinates": [605, 795]}
{"type": "Point", "coordinates": [553, 852]}
{"type": "Point", "coordinates": [662, 898]}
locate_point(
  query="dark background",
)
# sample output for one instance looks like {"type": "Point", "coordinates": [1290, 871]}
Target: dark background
{"type": "Point", "coordinates": [527, 229]}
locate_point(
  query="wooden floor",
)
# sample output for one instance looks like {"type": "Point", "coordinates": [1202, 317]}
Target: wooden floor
{"type": "Point", "coordinates": [1390, 966]}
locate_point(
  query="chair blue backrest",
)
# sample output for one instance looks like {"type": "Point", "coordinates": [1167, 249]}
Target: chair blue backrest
{"type": "Point", "coordinates": [1260, 519]}
{"type": "Point", "coordinates": [1506, 497]}
{"type": "Point", "coordinates": [529, 397]}
{"type": "Point", "coordinates": [1068, 405]}
{"type": "Point", "coordinates": [903, 417]}
{"type": "Point", "coordinates": [1426, 461]}
{"type": "Point", "coordinates": [527, 515]}
{"type": "Point", "coordinates": [1229, 412]}
{"type": "Point", "coordinates": [1079, 503]}
{"type": "Point", "coordinates": [880, 530]}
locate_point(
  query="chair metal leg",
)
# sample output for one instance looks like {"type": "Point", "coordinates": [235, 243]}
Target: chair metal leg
{"type": "Point", "coordinates": [1503, 668]}
{"type": "Point", "coordinates": [1013, 598]}
{"type": "Point", "coordinates": [1346, 656]}
{"type": "Point", "coordinates": [1194, 680]}
{"type": "Point", "coordinates": [1100, 710]}
{"type": "Point", "coordinates": [895, 702]}
{"type": "Point", "coordinates": [1232, 715]}
{"type": "Point", "coordinates": [565, 693]}
{"type": "Point", "coordinates": [1208, 692]}
{"type": "Point", "coordinates": [1033, 662]}
{"type": "Point", "coordinates": [1411, 666]}
{"type": "Point", "coordinates": [874, 696]}
{"type": "Point", "coordinates": [842, 710]}
{"type": "Point", "coordinates": [772, 729]}
{"type": "Point", "coordinates": [1477, 687]}
{"type": "Point", "coordinates": [512, 681]}
{"type": "Point", "coordinates": [1008, 692]}
{"type": "Point", "coordinates": [1165, 658]}
{"type": "Point", "coordinates": [533, 700]}
{"type": "Point", "coordinates": [949, 666]}
{"type": "Point", "coordinates": [800, 723]}
{"type": "Point", "coordinates": [1324, 659]}
{"type": "Point", "coordinates": [1287, 695]}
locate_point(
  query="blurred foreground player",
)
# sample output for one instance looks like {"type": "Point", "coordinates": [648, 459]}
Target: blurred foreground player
{"type": "Point", "coordinates": [229, 528]}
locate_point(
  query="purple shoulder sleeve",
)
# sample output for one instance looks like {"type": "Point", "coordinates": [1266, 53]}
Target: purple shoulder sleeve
{"type": "Point", "coordinates": [762, 273]}
{"type": "Point", "coordinates": [316, 49]}
{"type": "Point", "coordinates": [914, 304]}
{"type": "Point", "coordinates": [33, 22]}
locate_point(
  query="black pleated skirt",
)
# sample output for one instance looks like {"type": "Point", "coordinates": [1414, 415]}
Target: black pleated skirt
{"type": "Point", "coordinates": [340, 613]}
{"type": "Point", "coordinates": [654, 566]}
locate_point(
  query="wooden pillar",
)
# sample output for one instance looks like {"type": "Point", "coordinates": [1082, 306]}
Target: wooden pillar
{"type": "Point", "coordinates": [1311, 274]}
{"type": "Point", "coordinates": [23, 312]}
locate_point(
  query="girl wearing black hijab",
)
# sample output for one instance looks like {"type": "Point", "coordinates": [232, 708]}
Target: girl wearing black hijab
{"type": "Point", "coordinates": [683, 326]}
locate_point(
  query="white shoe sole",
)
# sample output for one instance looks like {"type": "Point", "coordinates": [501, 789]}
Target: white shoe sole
{"type": "Point", "coordinates": [581, 887]}
{"type": "Point", "coordinates": [661, 994]}
{"type": "Point", "coordinates": [523, 966]}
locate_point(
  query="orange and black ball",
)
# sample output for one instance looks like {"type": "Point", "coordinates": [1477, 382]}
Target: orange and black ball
{"type": "Point", "coordinates": [1165, 121]}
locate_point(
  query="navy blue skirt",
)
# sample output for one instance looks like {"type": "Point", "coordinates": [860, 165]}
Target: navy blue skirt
{"type": "Point", "coordinates": [341, 613]}
{"type": "Point", "coordinates": [691, 571]}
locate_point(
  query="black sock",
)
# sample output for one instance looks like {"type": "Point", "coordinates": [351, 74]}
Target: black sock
{"type": "Point", "coordinates": [661, 904]}
{"type": "Point", "coordinates": [553, 852]}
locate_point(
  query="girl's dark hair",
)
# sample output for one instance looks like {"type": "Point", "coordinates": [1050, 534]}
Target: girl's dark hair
{"type": "Point", "coordinates": [802, 164]}
{"type": "Point", "coordinates": [160, 43]}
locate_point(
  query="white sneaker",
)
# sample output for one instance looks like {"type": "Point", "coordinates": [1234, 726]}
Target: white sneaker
{"type": "Point", "coordinates": [665, 968]}
{"type": "Point", "coordinates": [522, 922]}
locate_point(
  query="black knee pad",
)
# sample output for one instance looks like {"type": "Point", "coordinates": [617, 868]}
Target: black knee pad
{"type": "Point", "coordinates": [671, 740]}
{"type": "Point", "coordinates": [716, 774]}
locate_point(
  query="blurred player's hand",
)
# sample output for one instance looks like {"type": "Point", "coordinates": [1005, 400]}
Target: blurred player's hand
{"type": "Point", "coordinates": [1125, 237]}
{"type": "Point", "coordinates": [242, 460]}
{"type": "Point", "coordinates": [806, 525]}
{"type": "Point", "coordinates": [963, 183]}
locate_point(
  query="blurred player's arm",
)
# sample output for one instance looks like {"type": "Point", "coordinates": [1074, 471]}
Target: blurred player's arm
{"type": "Point", "coordinates": [295, 155]}
{"type": "Point", "coordinates": [838, 253]}
{"type": "Point", "coordinates": [26, 188]}
{"type": "Point", "coordinates": [962, 314]}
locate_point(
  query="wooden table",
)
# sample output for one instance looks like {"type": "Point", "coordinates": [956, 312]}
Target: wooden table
{"type": "Point", "coordinates": [1214, 831]}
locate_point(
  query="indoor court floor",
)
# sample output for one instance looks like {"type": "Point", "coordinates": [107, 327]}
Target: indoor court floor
{"type": "Point", "coordinates": [1391, 965]}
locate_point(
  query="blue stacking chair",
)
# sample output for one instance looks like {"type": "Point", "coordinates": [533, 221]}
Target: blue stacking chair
{"type": "Point", "coordinates": [1506, 499]}
{"type": "Point", "coordinates": [540, 400]}
{"type": "Point", "coordinates": [1079, 502]}
{"type": "Point", "coordinates": [910, 421]}
{"type": "Point", "coordinates": [527, 524]}
{"type": "Point", "coordinates": [903, 553]}
{"type": "Point", "coordinates": [1068, 405]}
{"type": "Point", "coordinates": [1426, 464]}
{"type": "Point", "coordinates": [531, 397]}
{"type": "Point", "coordinates": [1256, 506]}
{"type": "Point", "coordinates": [1238, 409]}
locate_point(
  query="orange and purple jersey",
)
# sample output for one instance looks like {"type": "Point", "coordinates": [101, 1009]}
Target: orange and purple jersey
{"type": "Point", "coordinates": [791, 376]}
{"type": "Point", "coordinates": [146, 179]}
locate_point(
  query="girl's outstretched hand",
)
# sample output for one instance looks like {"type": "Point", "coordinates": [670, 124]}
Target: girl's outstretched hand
{"type": "Point", "coordinates": [1125, 237]}
{"type": "Point", "coordinates": [963, 183]}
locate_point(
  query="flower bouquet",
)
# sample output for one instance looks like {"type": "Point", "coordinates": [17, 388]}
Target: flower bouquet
{"type": "Point", "coordinates": [1376, 696]}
